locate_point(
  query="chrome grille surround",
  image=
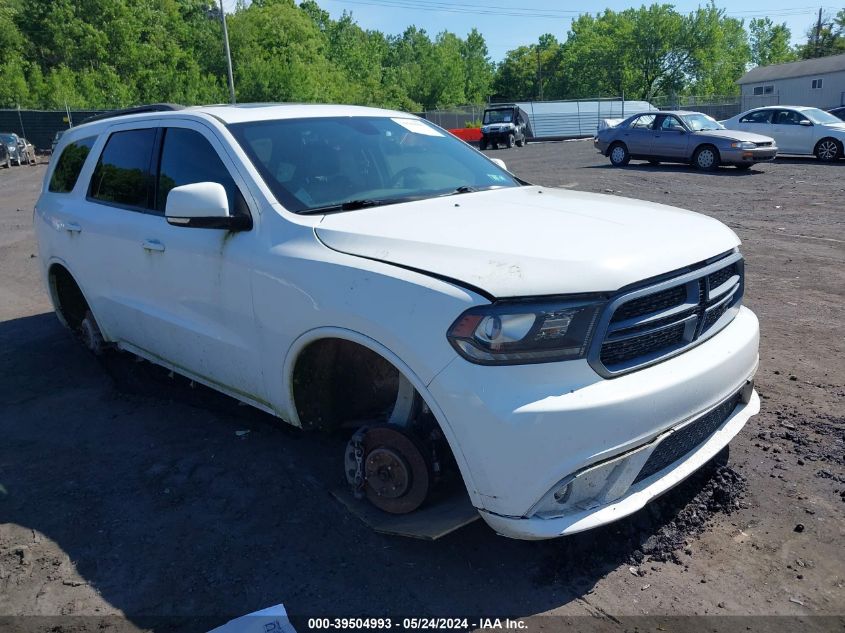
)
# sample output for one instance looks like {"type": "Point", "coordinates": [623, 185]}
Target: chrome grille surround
{"type": "Point", "coordinates": [707, 296]}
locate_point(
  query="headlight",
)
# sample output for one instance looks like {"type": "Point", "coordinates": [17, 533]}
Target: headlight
{"type": "Point", "coordinates": [11, 148]}
{"type": "Point", "coordinates": [515, 332]}
{"type": "Point", "coordinates": [744, 145]}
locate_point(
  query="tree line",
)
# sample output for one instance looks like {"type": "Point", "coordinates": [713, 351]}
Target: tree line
{"type": "Point", "coordinates": [99, 54]}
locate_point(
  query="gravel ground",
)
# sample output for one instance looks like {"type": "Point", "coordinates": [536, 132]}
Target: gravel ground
{"type": "Point", "coordinates": [123, 492]}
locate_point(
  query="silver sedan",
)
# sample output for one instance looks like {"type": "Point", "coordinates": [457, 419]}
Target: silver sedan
{"type": "Point", "coordinates": [682, 137]}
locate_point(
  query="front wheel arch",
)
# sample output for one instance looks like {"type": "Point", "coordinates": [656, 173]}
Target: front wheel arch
{"type": "Point", "coordinates": [308, 338]}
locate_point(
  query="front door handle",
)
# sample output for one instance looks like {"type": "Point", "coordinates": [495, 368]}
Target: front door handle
{"type": "Point", "coordinates": [153, 245]}
{"type": "Point", "coordinates": [71, 227]}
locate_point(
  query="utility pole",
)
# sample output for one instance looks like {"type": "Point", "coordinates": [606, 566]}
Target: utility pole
{"type": "Point", "coordinates": [539, 74]}
{"type": "Point", "coordinates": [228, 54]}
{"type": "Point", "coordinates": [819, 34]}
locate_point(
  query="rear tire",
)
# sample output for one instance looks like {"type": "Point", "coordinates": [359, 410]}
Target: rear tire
{"type": "Point", "coordinates": [828, 150]}
{"type": "Point", "coordinates": [482, 145]}
{"type": "Point", "coordinates": [618, 154]}
{"type": "Point", "coordinates": [520, 143]}
{"type": "Point", "coordinates": [706, 158]}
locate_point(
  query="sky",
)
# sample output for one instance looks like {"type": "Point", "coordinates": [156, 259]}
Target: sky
{"type": "Point", "coordinates": [506, 24]}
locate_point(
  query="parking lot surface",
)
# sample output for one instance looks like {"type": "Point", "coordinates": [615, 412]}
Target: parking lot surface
{"type": "Point", "coordinates": [123, 491]}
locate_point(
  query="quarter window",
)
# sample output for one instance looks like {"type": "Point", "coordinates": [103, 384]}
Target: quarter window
{"type": "Point", "coordinates": [187, 158]}
{"type": "Point", "coordinates": [122, 175]}
{"type": "Point", "coordinates": [70, 164]}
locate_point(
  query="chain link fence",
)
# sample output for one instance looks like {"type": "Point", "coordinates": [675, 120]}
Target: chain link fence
{"type": "Point", "coordinates": [39, 127]}
{"type": "Point", "coordinates": [719, 107]}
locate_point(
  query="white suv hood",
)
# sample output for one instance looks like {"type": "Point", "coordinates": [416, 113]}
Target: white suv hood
{"type": "Point", "coordinates": [531, 241]}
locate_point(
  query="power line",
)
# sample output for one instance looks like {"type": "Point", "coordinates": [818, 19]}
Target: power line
{"type": "Point", "coordinates": [535, 12]}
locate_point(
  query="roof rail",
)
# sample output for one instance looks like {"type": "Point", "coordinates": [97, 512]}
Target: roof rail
{"type": "Point", "coordinates": [153, 107]}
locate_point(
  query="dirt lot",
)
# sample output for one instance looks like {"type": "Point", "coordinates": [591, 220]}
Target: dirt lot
{"type": "Point", "coordinates": [124, 492]}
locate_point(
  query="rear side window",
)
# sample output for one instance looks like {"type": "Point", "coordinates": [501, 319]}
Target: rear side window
{"type": "Point", "coordinates": [187, 158]}
{"type": "Point", "coordinates": [122, 175]}
{"type": "Point", "coordinates": [70, 164]}
{"type": "Point", "coordinates": [760, 116]}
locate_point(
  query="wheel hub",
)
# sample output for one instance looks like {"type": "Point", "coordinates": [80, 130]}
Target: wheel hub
{"type": "Point", "coordinates": [387, 474]}
{"type": "Point", "coordinates": [397, 475]}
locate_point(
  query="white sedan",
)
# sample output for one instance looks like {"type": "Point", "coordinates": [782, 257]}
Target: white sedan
{"type": "Point", "coordinates": [796, 129]}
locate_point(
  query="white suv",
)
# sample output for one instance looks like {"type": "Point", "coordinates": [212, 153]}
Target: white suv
{"type": "Point", "coordinates": [570, 356]}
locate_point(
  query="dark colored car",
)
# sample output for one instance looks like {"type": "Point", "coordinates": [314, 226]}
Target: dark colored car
{"type": "Point", "coordinates": [682, 137]}
{"type": "Point", "coordinates": [5, 159]}
{"type": "Point", "coordinates": [506, 125]}
{"type": "Point", "coordinates": [839, 112]}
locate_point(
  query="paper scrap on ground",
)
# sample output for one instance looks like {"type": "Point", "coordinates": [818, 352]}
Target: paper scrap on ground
{"type": "Point", "coordinates": [269, 620]}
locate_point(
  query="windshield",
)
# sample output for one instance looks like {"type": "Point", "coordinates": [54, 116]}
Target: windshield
{"type": "Point", "coordinates": [497, 116]}
{"type": "Point", "coordinates": [698, 122]}
{"type": "Point", "coordinates": [317, 163]}
{"type": "Point", "coordinates": [820, 116]}
{"type": "Point", "coordinates": [7, 138]}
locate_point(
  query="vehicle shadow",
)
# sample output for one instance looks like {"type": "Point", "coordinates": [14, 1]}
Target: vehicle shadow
{"type": "Point", "coordinates": [183, 509]}
{"type": "Point", "coordinates": [725, 170]}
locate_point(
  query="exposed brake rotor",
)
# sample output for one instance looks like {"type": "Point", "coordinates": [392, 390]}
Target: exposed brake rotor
{"type": "Point", "coordinates": [396, 475]}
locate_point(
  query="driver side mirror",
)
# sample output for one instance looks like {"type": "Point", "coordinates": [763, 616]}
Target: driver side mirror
{"type": "Point", "coordinates": [805, 123]}
{"type": "Point", "coordinates": [202, 205]}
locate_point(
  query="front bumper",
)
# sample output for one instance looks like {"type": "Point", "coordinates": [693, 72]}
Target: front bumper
{"type": "Point", "coordinates": [522, 430]}
{"type": "Point", "coordinates": [740, 156]}
{"type": "Point", "coordinates": [498, 137]}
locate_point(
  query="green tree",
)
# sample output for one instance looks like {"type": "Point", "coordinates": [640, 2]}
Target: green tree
{"type": "Point", "coordinates": [478, 70]}
{"type": "Point", "coordinates": [825, 37]}
{"type": "Point", "coordinates": [770, 42]}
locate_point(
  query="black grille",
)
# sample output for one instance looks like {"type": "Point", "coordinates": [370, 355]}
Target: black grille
{"type": "Point", "coordinates": [721, 276]}
{"type": "Point", "coordinates": [764, 144]}
{"type": "Point", "coordinates": [622, 351]}
{"type": "Point", "coordinates": [666, 330]}
{"type": "Point", "coordinates": [682, 442]}
{"type": "Point", "coordinates": [715, 314]}
{"type": "Point", "coordinates": [651, 303]}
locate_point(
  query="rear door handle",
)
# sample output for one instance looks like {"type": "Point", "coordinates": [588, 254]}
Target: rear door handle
{"type": "Point", "coordinates": [153, 245]}
{"type": "Point", "coordinates": [71, 227]}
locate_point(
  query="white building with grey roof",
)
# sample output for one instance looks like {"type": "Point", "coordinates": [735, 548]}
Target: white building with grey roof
{"type": "Point", "coordinates": [811, 82]}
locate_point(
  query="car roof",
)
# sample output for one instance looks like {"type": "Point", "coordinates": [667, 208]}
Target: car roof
{"type": "Point", "coordinates": [783, 107]}
{"type": "Point", "coordinates": [676, 112]}
{"type": "Point", "coordinates": [241, 113]}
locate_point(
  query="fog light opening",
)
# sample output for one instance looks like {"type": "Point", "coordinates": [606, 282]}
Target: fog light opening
{"type": "Point", "coordinates": [562, 494]}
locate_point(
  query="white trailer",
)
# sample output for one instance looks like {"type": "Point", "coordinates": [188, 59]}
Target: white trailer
{"type": "Point", "coordinates": [575, 119]}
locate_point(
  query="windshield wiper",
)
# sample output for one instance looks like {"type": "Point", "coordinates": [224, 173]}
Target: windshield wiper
{"type": "Point", "coordinates": [349, 205]}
